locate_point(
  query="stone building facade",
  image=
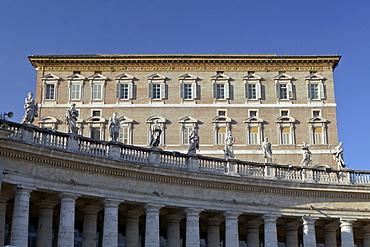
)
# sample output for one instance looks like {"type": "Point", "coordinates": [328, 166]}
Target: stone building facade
{"type": "Point", "coordinates": [289, 99]}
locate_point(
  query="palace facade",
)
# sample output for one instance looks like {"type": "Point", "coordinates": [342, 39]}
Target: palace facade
{"type": "Point", "coordinates": [289, 99]}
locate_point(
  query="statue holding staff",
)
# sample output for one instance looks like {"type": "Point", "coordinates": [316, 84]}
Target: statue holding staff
{"type": "Point", "coordinates": [193, 142]}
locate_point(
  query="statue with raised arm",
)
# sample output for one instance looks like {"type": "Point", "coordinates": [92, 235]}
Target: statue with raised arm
{"type": "Point", "coordinates": [306, 153]}
{"type": "Point", "coordinates": [338, 156]}
{"type": "Point", "coordinates": [193, 142]}
{"type": "Point", "coordinates": [71, 119]}
{"type": "Point", "coordinates": [31, 109]}
{"type": "Point", "coordinates": [114, 126]}
{"type": "Point", "coordinates": [267, 151]}
{"type": "Point", "coordinates": [229, 148]}
{"type": "Point", "coordinates": [156, 131]}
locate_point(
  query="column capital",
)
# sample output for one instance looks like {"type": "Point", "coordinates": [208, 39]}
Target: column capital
{"type": "Point", "coordinates": [153, 207]}
{"type": "Point", "coordinates": [133, 214]}
{"type": "Point", "coordinates": [270, 217]}
{"type": "Point", "coordinates": [347, 221]}
{"type": "Point", "coordinates": [91, 209]}
{"type": "Point", "coordinates": [47, 204]}
{"type": "Point", "coordinates": [111, 203]}
{"type": "Point", "coordinates": [366, 228]}
{"type": "Point", "coordinates": [193, 211]}
{"type": "Point", "coordinates": [215, 221]}
{"type": "Point", "coordinates": [68, 197]}
{"type": "Point", "coordinates": [231, 215]}
{"type": "Point", "coordinates": [24, 189]}
{"type": "Point", "coordinates": [309, 220]}
{"type": "Point", "coordinates": [293, 225]}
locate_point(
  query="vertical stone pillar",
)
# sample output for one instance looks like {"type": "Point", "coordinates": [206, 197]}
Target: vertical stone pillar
{"type": "Point", "coordinates": [173, 230]}
{"type": "Point", "coordinates": [330, 231]}
{"type": "Point", "coordinates": [309, 235]}
{"type": "Point", "coordinates": [67, 220]}
{"type": "Point", "coordinates": [346, 232]}
{"type": "Point", "coordinates": [110, 227]}
{"type": "Point", "coordinates": [231, 229]}
{"type": "Point", "coordinates": [152, 225]}
{"type": "Point", "coordinates": [90, 226]}
{"type": "Point", "coordinates": [19, 236]}
{"type": "Point", "coordinates": [291, 230]}
{"type": "Point", "coordinates": [270, 238]}
{"type": "Point", "coordinates": [366, 235]}
{"type": "Point", "coordinates": [213, 232]}
{"type": "Point", "coordinates": [132, 228]}
{"type": "Point", "coordinates": [45, 225]}
{"type": "Point", "coordinates": [3, 200]}
{"type": "Point", "coordinates": [253, 232]}
{"type": "Point", "coordinates": [192, 227]}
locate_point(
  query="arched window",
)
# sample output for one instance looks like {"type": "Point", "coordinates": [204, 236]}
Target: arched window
{"type": "Point", "coordinates": [162, 122]}
{"type": "Point", "coordinates": [222, 124]}
{"type": "Point", "coordinates": [188, 124]}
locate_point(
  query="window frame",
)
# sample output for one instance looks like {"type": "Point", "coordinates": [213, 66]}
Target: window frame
{"type": "Point", "coordinates": [187, 123]}
{"type": "Point", "coordinates": [252, 80]}
{"type": "Point", "coordinates": [254, 122]}
{"type": "Point", "coordinates": [190, 81]}
{"type": "Point", "coordinates": [221, 122]}
{"type": "Point", "coordinates": [50, 80]}
{"type": "Point", "coordinates": [124, 79]}
{"type": "Point", "coordinates": [286, 122]}
{"type": "Point", "coordinates": [220, 80]}
{"type": "Point", "coordinates": [157, 79]}
{"type": "Point", "coordinates": [315, 80]}
{"type": "Point", "coordinates": [97, 81]}
{"type": "Point", "coordinates": [284, 81]}
{"type": "Point", "coordinates": [76, 79]}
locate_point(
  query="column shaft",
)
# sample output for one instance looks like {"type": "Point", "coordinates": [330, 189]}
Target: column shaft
{"type": "Point", "coordinates": [291, 230]}
{"type": "Point", "coordinates": [45, 225]}
{"type": "Point", "coordinates": [19, 236]}
{"type": "Point", "coordinates": [330, 236]}
{"type": "Point", "coordinates": [110, 228]}
{"type": "Point", "coordinates": [173, 231]}
{"type": "Point", "coordinates": [231, 229]}
{"type": "Point", "coordinates": [213, 232]}
{"type": "Point", "coordinates": [132, 229]}
{"type": "Point", "coordinates": [3, 201]}
{"type": "Point", "coordinates": [270, 238]}
{"type": "Point", "coordinates": [67, 220]}
{"type": "Point", "coordinates": [309, 235]}
{"type": "Point", "coordinates": [89, 238]}
{"type": "Point", "coordinates": [346, 232]}
{"type": "Point", "coordinates": [366, 235]}
{"type": "Point", "coordinates": [192, 227]}
{"type": "Point", "coordinates": [152, 225]}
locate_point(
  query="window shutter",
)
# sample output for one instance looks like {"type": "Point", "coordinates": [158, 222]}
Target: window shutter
{"type": "Point", "coordinates": [118, 90]}
{"type": "Point", "coordinates": [150, 92]}
{"type": "Point", "coordinates": [182, 90]}
{"type": "Point", "coordinates": [321, 91]}
{"type": "Point", "coordinates": [258, 90]}
{"type": "Point", "coordinates": [246, 90]}
{"type": "Point", "coordinates": [309, 90]}
{"type": "Point", "coordinates": [277, 90]}
{"type": "Point", "coordinates": [130, 90]}
{"type": "Point", "coordinates": [227, 90]}
{"type": "Point", "coordinates": [163, 90]}
{"type": "Point", "coordinates": [194, 90]}
{"type": "Point", "coordinates": [214, 90]}
{"type": "Point", "coordinates": [290, 90]}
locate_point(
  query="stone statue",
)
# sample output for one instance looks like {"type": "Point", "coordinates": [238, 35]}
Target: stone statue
{"type": "Point", "coordinates": [114, 126]}
{"type": "Point", "coordinates": [193, 142]}
{"type": "Point", "coordinates": [156, 132]}
{"type": "Point", "coordinates": [229, 148]}
{"type": "Point", "coordinates": [306, 153]}
{"type": "Point", "coordinates": [31, 109]}
{"type": "Point", "coordinates": [71, 119]}
{"type": "Point", "coordinates": [267, 152]}
{"type": "Point", "coordinates": [338, 156]}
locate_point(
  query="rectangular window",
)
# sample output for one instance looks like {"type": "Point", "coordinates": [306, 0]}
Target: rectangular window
{"type": "Point", "coordinates": [252, 113]}
{"type": "Point", "coordinates": [283, 91]}
{"type": "Point", "coordinates": [317, 135]}
{"type": "Point", "coordinates": [156, 91]}
{"type": "Point", "coordinates": [221, 112]}
{"type": "Point", "coordinates": [315, 113]}
{"type": "Point", "coordinates": [220, 91]}
{"type": "Point", "coordinates": [124, 134]}
{"type": "Point", "coordinates": [96, 113]}
{"type": "Point", "coordinates": [187, 91]}
{"type": "Point", "coordinates": [95, 133]}
{"type": "Point", "coordinates": [186, 133]}
{"type": "Point", "coordinates": [124, 91]}
{"type": "Point", "coordinates": [252, 92]}
{"type": "Point", "coordinates": [50, 90]}
{"type": "Point", "coordinates": [314, 91]}
{"type": "Point", "coordinates": [97, 92]}
{"type": "Point", "coordinates": [284, 113]}
{"type": "Point", "coordinates": [285, 135]}
{"type": "Point", "coordinates": [75, 91]}
{"type": "Point", "coordinates": [254, 136]}
{"type": "Point", "coordinates": [221, 135]}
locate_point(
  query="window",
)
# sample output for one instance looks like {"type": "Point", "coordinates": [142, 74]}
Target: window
{"type": "Point", "coordinates": [157, 87]}
{"type": "Point", "coordinates": [318, 129]}
{"type": "Point", "coordinates": [96, 113]}
{"type": "Point", "coordinates": [222, 125]}
{"type": "Point", "coordinates": [284, 112]}
{"type": "Point", "coordinates": [221, 87]}
{"type": "Point", "coordinates": [252, 113]}
{"type": "Point", "coordinates": [187, 129]}
{"type": "Point", "coordinates": [96, 126]}
{"type": "Point", "coordinates": [95, 133]}
{"type": "Point", "coordinates": [76, 72]}
{"type": "Point", "coordinates": [284, 87]}
{"type": "Point", "coordinates": [316, 113]}
{"type": "Point", "coordinates": [254, 138]}
{"type": "Point", "coordinates": [188, 124]}
{"type": "Point", "coordinates": [221, 112]}
{"type": "Point", "coordinates": [188, 87]}
{"type": "Point", "coordinates": [315, 87]}
{"type": "Point", "coordinates": [285, 135]}
{"type": "Point", "coordinates": [98, 83]}
{"type": "Point", "coordinates": [254, 128]}
{"type": "Point", "coordinates": [75, 84]}
{"type": "Point", "coordinates": [97, 92]}
{"type": "Point", "coordinates": [50, 91]}
{"type": "Point", "coordinates": [317, 135]}
{"type": "Point", "coordinates": [286, 126]}
{"type": "Point", "coordinates": [124, 134]}
{"type": "Point", "coordinates": [75, 91]}
{"type": "Point", "coordinates": [124, 87]}
{"type": "Point", "coordinates": [221, 135]}
{"type": "Point", "coordinates": [156, 91]}
{"type": "Point", "coordinates": [253, 87]}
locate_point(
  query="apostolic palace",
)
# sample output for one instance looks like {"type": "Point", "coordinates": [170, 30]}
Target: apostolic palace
{"type": "Point", "coordinates": [180, 151]}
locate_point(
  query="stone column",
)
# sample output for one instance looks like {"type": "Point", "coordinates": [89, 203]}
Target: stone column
{"type": "Point", "coordinates": [173, 230]}
{"type": "Point", "coordinates": [366, 235]}
{"type": "Point", "coordinates": [309, 235]}
{"type": "Point", "coordinates": [270, 233]}
{"type": "Point", "coordinates": [330, 231]}
{"type": "Point", "coordinates": [3, 200]}
{"type": "Point", "coordinates": [346, 232]}
{"type": "Point", "coordinates": [19, 236]}
{"type": "Point", "coordinates": [132, 228]}
{"type": "Point", "coordinates": [110, 227]}
{"type": "Point", "coordinates": [291, 230]}
{"type": "Point", "coordinates": [67, 220]}
{"type": "Point", "coordinates": [231, 229]}
{"type": "Point", "coordinates": [90, 226]}
{"type": "Point", "coordinates": [192, 227]}
{"type": "Point", "coordinates": [45, 225]}
{"type": "Point", "coordinates": [253, 232]}
{"type": "Point", "coordinates": [213, 232]}
{"type": "Point", "coordinates": [152, 225]}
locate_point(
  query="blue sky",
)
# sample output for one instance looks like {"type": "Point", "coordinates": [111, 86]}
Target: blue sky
{"type": "Point", "coordinates": [290, 27]}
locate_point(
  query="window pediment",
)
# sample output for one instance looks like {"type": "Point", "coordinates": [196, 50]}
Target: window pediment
{"type": "Point", "coordinates": [318, 119]}
{"type": "Point", "coordinates": [252, 77]}
{"type": "Point", "coordinates": [95, 119]}
{"type": "Point", "coordinates": [76, 77]}
{"type": "Point", "coordinates": [254, 120]}
{"type": "Point", "coordinates": [314, 77]}
{"type": "Point", "coordinates": [50, 77]}
{"type": "Point", "coordinates": [220, 77]}
{"type": "Point", "coordinates": [221, 119]}
{"type": "Point", "coordinates": [48, 119]}
{"type": "Point", "coordinates": [188, 76]}
{"type": "Point", "coordinates": [188, 119]}
{"type": "Point", "coordinates": [156, 76]}
{"type": "Point", "coordinates": [283, 77]}
{"type": "Point", "coordinates": [286, 119]}
{"type": "Point", "coordinates": [124, 119]}
{"type": "Point", "coordinates": [124, 76]}
{"type": "Point", "coordinates": [158, 118]}
{"type": "Point", "coordinates": [97, 77]}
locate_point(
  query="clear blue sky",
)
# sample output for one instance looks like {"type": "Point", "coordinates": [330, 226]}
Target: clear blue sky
{"type": "Point", "coordinates": [291, 27]}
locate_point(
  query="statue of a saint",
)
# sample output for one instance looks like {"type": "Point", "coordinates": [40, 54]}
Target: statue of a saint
{"type": "Point", "coordinates": [306, 153]}
{"type": "Point", "coordinates": [229, 148]}
{"type": "Point", "coordinates": [193, 142]}
{"type": "Point", "coordinates": [338, 156]}
{"type": "Point", "coordinates": [267, 152]}
{"type": "Point", "coordinates": [156, 132]}
{"type": "Point", "coordinates": [71, 119]}
{"type": "Point", "coordinates": [114, 126]}
{"type": "Point", "coordinates": [31, 109]}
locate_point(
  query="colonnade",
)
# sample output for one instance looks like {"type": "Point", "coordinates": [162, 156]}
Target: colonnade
{"type": "Point", "coordinates": [21, 211]}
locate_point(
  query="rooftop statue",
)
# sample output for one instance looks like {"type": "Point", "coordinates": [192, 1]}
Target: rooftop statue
{"type": "Point", "coordinates": [156, 131]}
{"type": "Point", "coordinates": [338, 156]}
{"type": "Point", "coordinates": [306, 159]}
{"type": "Point", "coordinates": [193, 142]}
{"type": "Point", "coordinates": [71, 119]}
{"type": "Point", "coordinates": [229, 148]}
{"type": "Point", "coordinates": [114, 126]}
{"type": "Point", "coordinates": [31, 109]}
{"type": "Point", "coordinates": [267, 152]}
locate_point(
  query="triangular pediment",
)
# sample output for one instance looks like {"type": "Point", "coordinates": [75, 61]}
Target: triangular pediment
{"type": "Point", "coordinates": [97, 77]}
{"type": "Point", "coordinates": [124, 76]}
{"type": "Point", "coordinates": [283, 76]}
{"type": "Point", "coordinates": [252, 76]}
{"type": "Point", "coordinates": [285, 119]}
{"type": "Point", "coordinates": [76, 77]}
{"type": "Point", "coordinates": [154, 118]}
{"type": "Point", "coordinates": [156, 76]}
{"type": "Point", "coordinates": [220, 76]}
{"type": "Point", "coordinates": [188, 76]}
{"type": "Point", "coordinates": [50, 77]}
{"type": "Point", "coordinates": [253, 120]}
{"type": "Point", "coordinates": [314, 77]}
{"type": "Point", "coordinates": [188, 119]}
{"type": "Point", "coordinates": [221, 119]}
{"type": "Point", "coordinates": [318, 119]}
